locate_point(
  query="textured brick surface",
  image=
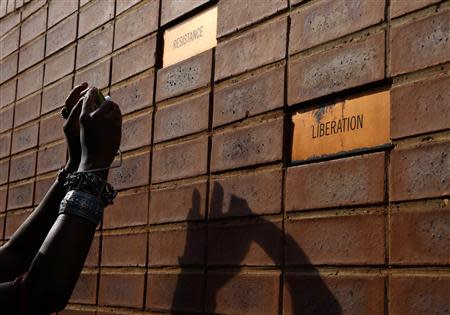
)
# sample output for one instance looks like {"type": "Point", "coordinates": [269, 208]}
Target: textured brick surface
{"type": "Point", "coordinates": [136, 132]}
{"type": "Point", "coordinates": [122, 290]}
{"type": "Point", "coordinates": [31, 53]}
{"type": "Point", "coordinates": [20, 195]}
{"type": "Point", "coordinates": [124, 250]}
{"type": "Point", "coordinates": [60, 9]}
{"type": "Point", "coordinates": [54, 95]}
{"type": "Point", "coordinates": [51, 129]}
{"type": "Point", "coordinates": [172, 9]}
{"type": "Point", "coordinates": [22, 166]}
{"type": "Point", "coordinates": [127, 210]}
{"type": "Point", "coordinates": [399, 7]}
{"type": "Point", "coordinates": [85, 290]}
{"type": "Point", "coordinates": [33, 26]}
{"type": "Point", "coordinates": [96, 45]}
{"type": "Point", "coordinates": [62, 34]}
{"type": "Point", "coordinates": [7, 92]}
{"type": "Point", "coordinates": [134, 172]}
{"type": "Point", "coordinates": [13, 221]}
{"type": "Point", "coordinates": [94, 15]}
{"type": "Point", "coordinates": [9, 43]}
{"type": "Point", "coordinates": [4, 171]}
{"type": "Point", "coordinates": [24, 138]}
{"type": "Point", "coordinates": [6, 118]}
{"type": "Point", "coordinates": [97, 74]}
{"type": "Point", "coordinates": [5, 144]}
{"type": "Point", "coordinates": [27, 109]}
{"type": "Point", "coordinates": [41, 188]}
{"type": "Point", "coordinates": [51, 158]}
{"type": "Point", "coordinates": [59, 65]}
{"type": "Point", "coordinates": [8, 67]}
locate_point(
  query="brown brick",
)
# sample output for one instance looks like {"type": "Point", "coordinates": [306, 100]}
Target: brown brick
{"type": "Point", "coordinates": [20, 195]}
{"type": "Point", "coordinates": [93, 254]}
{"type": "Point", "coordinates": [175, 291]}
{"type": "Point", "coordinates": [4, 171]}
{"type": "Point", "coordinates": [7, 92]}
{"type": "Point", "coordinates": [22, 166]}
{"type": "Point", "coordinates": [127, 210]}
{"type": "Point", "coordinates": [346, 182]}
{"type": "Point", "coordinates": [420, 172]}
{"type": "Point", "coordinates": [25, 138]}
{"type": "Point", "coordinates": [176, 247]}
{"type": "Point", "coordinates": [51, 129]}
{"type": "Point", "coordinates": [420, 107]}
{"type": "Point", "coordinates": [420, 237]}
{"type": "Point", "coordinates": [6, 118]}
{"type": "Point", "coordinates": [246, 194]}
{"type": "Point", "coordinates": [78, 312]}
{"type": "Point", "coordinates": [32, 53]}
{"type": "Point", "coordinates": [400, 7]}
{"type": "Point", "coordinates": [254, 95]}
{"type": "Point", "coordinates": [96, 45]}
{"type": "Point", "coordinates": [9, 22]}
{"type": "Point", "coordinates": [8, 67]}
{"type": "Point", "coordinates": [54, 95]}
{"type": "Point", "coordinates": [10, 6]}
{"type": "Point", "coordinates": [180, 160]}
{"type": "Point", "coordinates": [352, 64]}
{"type": "Point", "coordinates": [3, 8]}
{"type": "Point", "coordinates": [83, 2]}
{"type": "Point", "coordinates": [124, 250]}
{"type": "Point", "coordinates": [3, 193]}
{"type": "Point", "coordinates": [32, 7]}
{"type": "Point", "coordinates": [14, 221]}
{"type": "Point", "coordinates": [122, 290]}
{"type": "Point", "coordinates": [123, 5]}
{"type": "Point", "coordinates": [419, 294]}
{"type": "Point", "coordinates": [259, 46]}
{"type": "Point", "coordinates": [95, 14]}
{"type": "Point", "coordinates": [420, 43]}
{"type": "Point", "coordinates": [143, 55]}
{"type": "Point", "coordinates": [51, 158]}
{"type": "Point", "coordinates": [333, 294]}
{"type": "Point", "coordinates": [133, 172]}
{"type": "Point", "coordinates": [246, 146]}
{"type": "Point", "coordinates": [184, 76]}
{"type": "Point", "coordinates": [5, 144]}
{"type": "Point", "coordinates": [59, 65]}
{"type": "Point", "coordinates": [59, 10]}
{"type": "Point", "coordinates": [136, 23]}
{"type": "Point", "coordinates": [9, 43]}
{"type": "Point", "coordinates": [179, 203]}
{"type": "Point", "coordinates": [225, 292]}
{"type": "Point", "coordinates": [85, 290]}
{"type": "Point", "coordinates": [41, 188]}
{"type": "Point", "coordinates": [33, 26]}
{"type": "Point", "coordinates": [329, 19]}
{"type": "Point", "coordinates": [62, 34]}
{"type": "Point", "coordinates": [27, 109]}
{"type": "Point", "coordinates": [136, 132]}
{"type": "Point", "coordinates": [182, 118]}
{"type": "Point", "coordinates": [171, 9]}
{"type": "Point", "coordinates": [97, 75]}
{"type": "Point", "coordinates": [134, 95]}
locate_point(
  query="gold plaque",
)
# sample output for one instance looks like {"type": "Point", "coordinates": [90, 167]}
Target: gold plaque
{"type": "Point", "coordinates": [191, 37]}
{"type": "Point", "coordinates": [356, 123]}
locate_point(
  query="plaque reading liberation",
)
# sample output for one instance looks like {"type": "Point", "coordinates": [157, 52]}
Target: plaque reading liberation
{"type": "Point", "coordinates": [356, 123]}
{"type": "Point", "coordinates": [190, 37]}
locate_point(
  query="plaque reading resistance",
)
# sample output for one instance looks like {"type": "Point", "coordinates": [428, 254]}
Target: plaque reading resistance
{"type": "Point", "coordinates": [356, 123]}
{"type": "Point", "coordinates": [191, 37]}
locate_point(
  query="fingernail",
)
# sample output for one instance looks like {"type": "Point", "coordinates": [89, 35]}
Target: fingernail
{"type": "Point", "coordinates": [107, 98]}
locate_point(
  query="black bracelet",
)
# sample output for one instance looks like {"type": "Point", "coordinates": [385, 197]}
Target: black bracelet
{"type": "Point", "coordinates": [92, 184]}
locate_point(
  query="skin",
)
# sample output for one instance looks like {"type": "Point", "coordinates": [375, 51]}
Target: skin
{"type": "Point", "coordinates": [52, 248]}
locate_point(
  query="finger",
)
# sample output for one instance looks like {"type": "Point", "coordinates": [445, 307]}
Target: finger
{"type": "Point", "coordinates": [76, 111]}
{"type": "Point", "coordinates": [74, 95]}
{"type": "Point", "coordinates": [104, 109]}
{"type": "Point", "coordinates": [88, 103]}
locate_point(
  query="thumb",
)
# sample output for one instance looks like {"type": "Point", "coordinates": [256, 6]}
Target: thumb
{"type": "Point", "coordinates": [88, 105]}
{"type": "Point", "coordinates": [75, 112]}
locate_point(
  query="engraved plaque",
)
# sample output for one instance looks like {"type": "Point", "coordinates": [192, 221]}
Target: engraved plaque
{"type": "Point", "coordinates": [190, 37]}
{"type": "Point", "coordinates": [356, 123]}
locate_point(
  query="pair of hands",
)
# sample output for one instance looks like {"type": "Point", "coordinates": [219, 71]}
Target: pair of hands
{"type": "Point", "coordinates": [93, 134]}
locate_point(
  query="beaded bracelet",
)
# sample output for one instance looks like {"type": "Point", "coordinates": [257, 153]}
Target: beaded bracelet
{"type": "Point", "coordinates": [82, 204]}
{"type": "Point", "coordinates": [92, 184]}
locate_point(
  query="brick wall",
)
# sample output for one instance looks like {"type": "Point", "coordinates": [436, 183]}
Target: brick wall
{"type": "Point", "coordinates": [212, 217]}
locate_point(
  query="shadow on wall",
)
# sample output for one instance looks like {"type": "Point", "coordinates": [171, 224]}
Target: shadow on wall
{"type": "Point", "coordinates": [309, 293]}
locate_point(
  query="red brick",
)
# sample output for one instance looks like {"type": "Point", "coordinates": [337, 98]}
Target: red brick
{"type": "Point", "coordinates": [5, 144]}
{"type": "Point", "coordinates": [246, 146]}
{"type": "Point", "coordinates": [86, 289]}
{"type": "Point", "coordinates": [30, 81]}
{"type": "Point", "coordinates": [246, 194]}
{"type": "Point", "coordinates": [9, 43]}
{"type": "Point", "coordinates": [352, 64]}
{"type": "Point", "coordinates": [13, 221]}
{"type": "Point", "coordinates": [420, 43]}
{"type": "Point", "coordinates": [185, 76]}
{"type": "Point", "coordinates": [122, 290]}
{"type": "Point", "coordinates": [136, 94]}
{"type": "Point", "coordinates": [124, 250]}
{"type": "Point", "coordinates": [419, 294]}
{"type": "Point", "coordinates": [259, 46]}
{"type": "Point", "coordinates": [32, 53]}
{"type": "Point", "coordinates": [420, 172]}
{"type": "Point", "coordinates": [59, 65]}
{"type": "Point", "coordinates": [127, 210]}
{"type": "Point", "coordinates": [54, 95]}
{"type": "Point", "coordinates": [180, 160]}
{"type": "Point", "coordinates": [9, 22]}
{"type": "Point", "coordinates": [333, 294]}
{"type": "Point", "coordinates": [123, 5]}
{"type": "Point", "coordinates": [51, 129]}
{"type": "Point", "coordinates": [62, 34]}
{"type": "Point", "coordinates": [171, 9]}
{"type": "Point", "coordinates": [22, 166]}
{"type": "Point", "coordinates": [329, 19]}
{"type": "Point", "coordinates": [3, 193]}
{"type": "Point", "coordinates": [8, 67]}
{"type": "Point", "coordinates": [400, 7]}
{"type": "Point", "coordinates": [143, 55]}
{"type": "Point", "coordinates": [42, 187]}
{"type": "Point", "coordinates": [4, 171]}
{"type": "Point", "coordinates": [20, 195]}
{"type": "Point", "coordinates": [25, 138]}
{"type": "Point", "coordinates": [243, 293]}
{"type": "Point", "coordinates": [93, 254]}
{"type": "Point", "coordinates": [51, 158]}
{"type": "Point", "coordinates": [27, 109]}
{"type": "Point", "coordinates": [77, 312]}
{"type": "Point", "coordinates": [59, 10]}
{"type": "Point", "coordinates": [420, 107]}
{"type": "Point", "coordinates": [33, 26]}
{"type": "Point", "coordinates": [95, 46]}
{"type": "Point", "coordinates": [95, 14]}
{"type": "Point", "coordinates": [7, 92]}
{"type": "Point", "coordinates": [97, 75]}
{"type": "Point", "coordinates": [6, 118]}
{"type": "Point", "coordinates": [346, 182]}
{"type": "Point", "coordinates": [420, 237]}
{"type": "Point", "coordinates": [179, 203]}
{"type": "Point", "coordinates": [136, 132]}
{"type": "Point", "coordinates": [175, 291]}
{"type": "Point", "coordinates": [254, 95]}
{"type": "Point", "coordinates": [176, 247]}
{"type": "Point", "coordinates": [133, 172]}
{"type": "Point", "coordinates": [182, 118]}
{"type": "Point", "coordinates": [136, 23]}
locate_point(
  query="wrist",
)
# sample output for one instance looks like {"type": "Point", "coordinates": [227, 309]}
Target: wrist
{"type": "Point", "coordinates": [72, 165]}
{"type": "Point", "coordinates": [94, 168]}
